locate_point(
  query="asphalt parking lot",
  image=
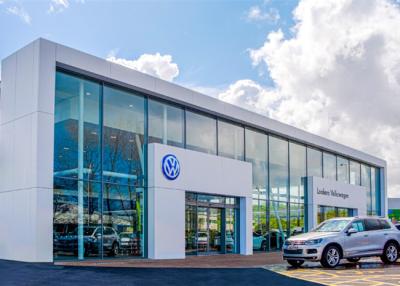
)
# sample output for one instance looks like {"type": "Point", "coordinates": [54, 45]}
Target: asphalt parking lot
{"type": "Point", "coordinates": [369, 272]}
{"type": "Point", "coordinates": [28, 274]}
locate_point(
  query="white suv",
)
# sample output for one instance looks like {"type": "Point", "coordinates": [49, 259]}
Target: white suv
{"type": "Point", "coordinates": [349, 238]}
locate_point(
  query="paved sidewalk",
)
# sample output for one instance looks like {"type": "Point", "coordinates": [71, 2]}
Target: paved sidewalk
{"type": "Point", "coordinates": [211, 261]}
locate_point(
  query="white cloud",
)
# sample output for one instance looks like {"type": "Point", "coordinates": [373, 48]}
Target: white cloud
{"type": "Point", "coordinates": [337, 76]}
{"type": "Point", "coordinates": [256, 13]}
{"type": "Point", "coordinates": [57, 6]}
{"type": "Point", "coordinates": [157, 65]}
{"type": "Point", "coordinates": [20, 12]}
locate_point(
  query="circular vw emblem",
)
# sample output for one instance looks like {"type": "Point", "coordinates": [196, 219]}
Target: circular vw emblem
{"type": "Point", "coordinates": [170, 167]}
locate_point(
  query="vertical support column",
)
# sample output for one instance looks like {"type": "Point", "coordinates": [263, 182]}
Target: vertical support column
{"type": "Point", "coordinates": [246, 225]}
{"type": "Point", "coordinates": [80, 170]}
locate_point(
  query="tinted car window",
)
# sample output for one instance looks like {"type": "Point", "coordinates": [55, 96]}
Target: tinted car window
{"type": "Point", "coordinates": [384, 224]}
{"type": "Point", "coordinates": [108, 231]}
{"type": "Point", "coordinates": [358, 225]}
{"type": "Point", "coordinates": [372, 224]}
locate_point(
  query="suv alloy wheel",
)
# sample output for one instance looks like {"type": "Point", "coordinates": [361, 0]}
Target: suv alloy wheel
{"type": "Point", "coordinates": [330, 257]}
{"type": "Point", "coordinates": [390, 253]}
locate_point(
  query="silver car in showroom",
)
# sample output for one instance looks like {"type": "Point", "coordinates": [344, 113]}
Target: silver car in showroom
{"type": "Point", "coordinates": [344, 238]}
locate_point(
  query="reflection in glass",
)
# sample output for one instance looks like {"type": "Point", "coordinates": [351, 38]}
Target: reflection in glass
{"type": "Point", "coordinates": [355, 176]}
{"type": "Point", "coordinates": [214, 230]}
{"type": "Point", "coordinates": [211, 227]}
{"type": "Point", "coordinates": [296, 219]}
{"type": "Point", "coordinates": [375, 193]}
{"type": "Point", "coordinates": [201, 133]}
{"type": "Point", "coordinates": [343, 170]}
{"type": "Point", "coordinates": [277, 225]}
{"type": "Point", "coordinates": [329, 166]}
{"type": "Point", "coordinates": [122, 220]}
{"type": "Point", "coordinates": [230, 140]}
{"type": "Point", "coordinates": [257, 155]}
{"type": "Point", "coordinates": [230, 231]}
{"type": "Point", "coordinates": [190, 229]}
{"type": "Point", "coordinates": [278, 169]}
{"type": "Point", "coordinates": [297, 155]}
{"type": "Point", "coordinates": [260, 225]}
{"type": "Point", "coordinates": [366, 182]}
{"type": "Point", "coordinates": [123, 155]}
{"type": "Point", "coordinates": [76, 225]}
{"type": "Point", "coordinates": [314, 162]}
{"type": "Point", "coordinates": [166, 124]}
{"type": "Point", "coordinates": [202, 230]}
{"type": "Point", "coordinates": [76, 128]}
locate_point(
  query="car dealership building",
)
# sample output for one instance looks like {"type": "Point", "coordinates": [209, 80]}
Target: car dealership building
{"type": "Point", "coordinates": [98, 160]}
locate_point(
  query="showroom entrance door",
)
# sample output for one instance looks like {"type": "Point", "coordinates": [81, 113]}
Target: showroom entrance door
{"type": "Point", "coordinates": [209, 230]}
{"type": "Point", "coordinates": [210, 225]}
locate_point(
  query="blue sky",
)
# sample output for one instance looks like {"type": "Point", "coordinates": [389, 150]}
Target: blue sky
{"type": "Point", "coordinates": [334, 71]}
{"type": "Point", "coordinates": [209, 40]}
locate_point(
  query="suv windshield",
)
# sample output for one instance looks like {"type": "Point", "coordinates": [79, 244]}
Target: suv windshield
{"type": "Point", "coordinates": [336, 225]}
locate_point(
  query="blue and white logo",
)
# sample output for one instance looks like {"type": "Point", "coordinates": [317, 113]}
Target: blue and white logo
{"type": "Point", "coordinates": [170, 167]}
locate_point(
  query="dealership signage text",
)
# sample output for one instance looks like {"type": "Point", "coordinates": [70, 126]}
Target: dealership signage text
{"type": "Point", "coordinates": [331, 193]}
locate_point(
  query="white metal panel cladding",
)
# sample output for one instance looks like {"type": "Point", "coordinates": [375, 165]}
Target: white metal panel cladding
{"type": "Point", "coordinates": [326, 192]}
{"type": "Point", "coordinates": [199, 172]}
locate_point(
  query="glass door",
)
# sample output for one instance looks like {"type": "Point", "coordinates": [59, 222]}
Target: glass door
{"type": "Point", "coordinates": [214, 230]}
{"type": "Point", "coordinates": [202, 230]}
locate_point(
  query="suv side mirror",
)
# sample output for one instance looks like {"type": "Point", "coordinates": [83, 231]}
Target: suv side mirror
{"type": "Point", "coordinates": [351, 231]}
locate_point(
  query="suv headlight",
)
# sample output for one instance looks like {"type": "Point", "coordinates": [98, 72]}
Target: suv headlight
{"type": "Point", "coordinates": [313, 241]}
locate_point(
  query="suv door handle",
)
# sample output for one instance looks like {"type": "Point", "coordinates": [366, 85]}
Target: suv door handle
{"type": "Point", "coordinates": [365, 235]}
{"type": "Point", "coordinates": [385, 234]}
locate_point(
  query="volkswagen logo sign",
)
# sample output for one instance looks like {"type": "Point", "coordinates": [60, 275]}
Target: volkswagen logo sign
{"type": "Point", "coordinates": [170, 167]}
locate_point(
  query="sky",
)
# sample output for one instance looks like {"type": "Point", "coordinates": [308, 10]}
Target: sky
{"type": "Point", "coordinates": [329, 67]}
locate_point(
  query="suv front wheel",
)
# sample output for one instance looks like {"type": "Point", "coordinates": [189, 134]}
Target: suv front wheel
{"type": "Point", "coordinates": [390, 253]}
{"type": "Point", "coordinates": [330, 257]}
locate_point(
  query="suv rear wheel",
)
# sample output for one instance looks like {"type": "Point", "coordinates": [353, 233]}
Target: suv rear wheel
{"type": "Point", "coordinates": [330, 257]}
{"type": "Point", "coordinates": [390, 253]}
{"type": "Point", "coordinates": [295, 263]}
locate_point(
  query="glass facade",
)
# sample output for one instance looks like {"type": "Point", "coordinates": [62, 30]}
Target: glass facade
{"type": "Point", "coordinates": [230, 140]}
{"type": "Point", "coordinates": [101, 137]}
{"type": "Point", "coordinates": [201, 133]}
{"type": "Point", "coordinates": [329, 163]}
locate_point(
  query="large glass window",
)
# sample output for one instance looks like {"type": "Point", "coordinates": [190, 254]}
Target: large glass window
{"type": "Point", "coordinates": [93, 218]}
{"type": "Point", "coordinates": [123, 155]}
{"type": "Point", "coordinates": [257, 155]}
{"type": "Point", "coordinates": [343, 170]}
{"type": "Point", "coordinates": [329, 166]}
{"type": "Point", "coordinates": [375, 193]}
{"type": "Point", "coordinates": [314, 162]}
{"type": "Point", "coordinates": [355, 176]}
{"type": "Point", "coordinates": [166, 124]}
{"type": "Point", "coordinates": [76, 222]}
{"type": "Point", "coordinates": [297, 161]}
{"type": "Point", "coordinates": [122, 220]}
{"type": "Point", "coordinates": [76, 128]}
{"type": "Point", "coordinates": [278, 224]}
{"type": "Point", "coordinates": [230, 140]}
{"type": "Point", "coordinates": [366, 182]}
{"type": "Point", "coordinates": [201, 133]}
{"type": "Point", "coordinates": [278, 168]}
{"type": "Point", "coordinates": [259, 220]}
{"type": "Point", "coordinates": [296, 219]}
